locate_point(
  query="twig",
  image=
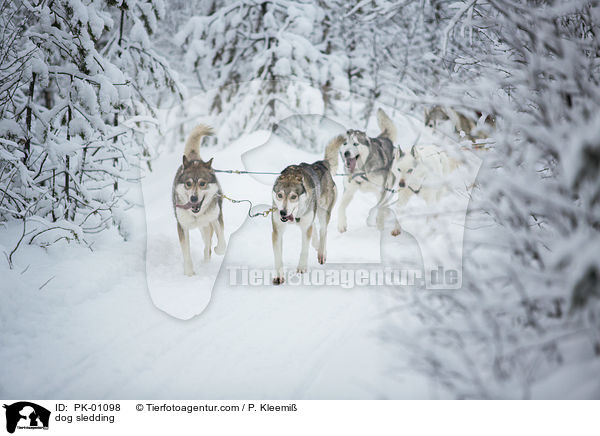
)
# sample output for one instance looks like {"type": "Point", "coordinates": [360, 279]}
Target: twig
{"type": "Point", "coordinates": [46, 282]}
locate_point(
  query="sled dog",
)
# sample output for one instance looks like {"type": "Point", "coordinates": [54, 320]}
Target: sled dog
{"type": "Point", "coordinates": [471, 128]}
{"type": "Point", "coordinates": [420, 172]}
{"type": "Point", "coordinates": [302, 193]}
{"type": "Point", "coordinates": [367, 161]}
{"type": "Point", "coordinates": [197, 200]}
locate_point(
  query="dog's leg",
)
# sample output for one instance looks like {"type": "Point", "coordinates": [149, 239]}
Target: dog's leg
{"type": "Point", "coordinates": [397, 228]}
{"type": "Point", "coordinates": [403, 197]}
{"type": "Point", "coordinates": [277, 238]}
{"type": "Point", "coordinates": [381, 212]}
{"type": "Point", "coordinates": [323, 215]}
{"type": "Point", "coordinates": [349, 191]}
{"type": "Point", "coordinates": [383, 205]}
{"type": "Point", "coordinates": [315, 238]}
{"type": "Point", "coordinates": [218, 227]}
{"type": "Point", "coordinates": [306, 235]}
{"type": "Point", "coordinates": [207, 233]}
{"type": "Point", "coordinates": [184, 241]}
{"type": "Point", "coordinates": [432, 197]}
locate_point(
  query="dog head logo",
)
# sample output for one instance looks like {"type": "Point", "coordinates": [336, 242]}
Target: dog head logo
{"type": "Point", "coordinates": [26, 415]}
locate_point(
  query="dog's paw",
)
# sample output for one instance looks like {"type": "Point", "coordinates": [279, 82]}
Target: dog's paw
{"type": "Point", "coordinates": [220, 249]}
{"type": "Point", "coordinates": [301, 269]}
{"type": "Point", "coordinates": [396, 232]}
{"type": "Point", "coordinates": [321, 258]}
{"type": "Point", "coordinates": [278, 280]}
{"type": "Point", "coordinates": [342, 228]}
{"type": "Point", "coordinates": [189, 272]}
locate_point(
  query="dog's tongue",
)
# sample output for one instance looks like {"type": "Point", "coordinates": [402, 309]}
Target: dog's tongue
{"type": "Point", "coordinates": [189, 205]}
{"type": "Point", "coordinates": [290, 218]}
{"type": "Point", "coordinates": [351, 163]}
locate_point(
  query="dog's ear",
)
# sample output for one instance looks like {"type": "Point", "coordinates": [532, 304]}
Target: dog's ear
{"type": "Point", "coordinates": [413, 151]}
{"type": "Point", "coordinates": [186, 161]}
{"type": "Point", "coordinates": [398, 153]}
{"type": "Point", "coordinates": [209, 162]}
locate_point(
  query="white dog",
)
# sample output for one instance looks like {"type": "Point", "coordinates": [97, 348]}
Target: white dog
{"type": "Point", "coordinates": [421, 172]}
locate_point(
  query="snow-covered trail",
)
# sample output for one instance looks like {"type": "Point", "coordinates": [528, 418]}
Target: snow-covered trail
{"type": "Point", "coordinates": [94, 332]}
{"type": "Point", "coordinates": [184, 297]}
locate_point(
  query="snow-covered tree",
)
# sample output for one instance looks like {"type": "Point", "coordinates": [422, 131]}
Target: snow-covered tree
{"type": "Point", "coordinates": [530, 306]}
{"type": "Point", "coordinates": [280, 46]}
{"type": "Point", "coordinates": [68, 137]}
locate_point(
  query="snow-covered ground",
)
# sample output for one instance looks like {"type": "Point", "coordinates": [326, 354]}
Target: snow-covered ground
{"type": "Point", "coordinates": [77, 323]}
{"type": "Point", "coordinates": [122, 321]}
{"type": "Point", "coordinates": [81, 323]}
{"type": "Point", "coordinates": [93, 332]}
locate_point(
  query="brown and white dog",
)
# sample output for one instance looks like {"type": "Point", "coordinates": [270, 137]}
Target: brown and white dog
{"type": "Point", "coordinates": [197, 200]}
{"type": "Point", "coordinates": [469, 127]}
{"type": "Point", "coordinates": [302, 193]}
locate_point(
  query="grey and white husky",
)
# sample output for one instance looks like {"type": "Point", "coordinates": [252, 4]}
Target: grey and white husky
{"type": "Point", "coordinates": [302, 193]}
{"type": "Point", "coordinates": [367, 162]}
{"type": "Point", "coordinates": [197, 200]}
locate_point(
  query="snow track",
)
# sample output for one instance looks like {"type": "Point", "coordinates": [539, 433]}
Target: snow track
{"type": "Point", "coordinates": [94, 332]}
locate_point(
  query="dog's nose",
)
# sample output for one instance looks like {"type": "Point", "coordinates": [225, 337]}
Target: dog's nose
{"type": "Point", "coordinates": [193, 199]}
{"type": "Point", "coordinates": [402, 184]}
{"type": "Point", "coordinates": [347, 154]}
{"type": "Point", "coordinates": [283, 213]}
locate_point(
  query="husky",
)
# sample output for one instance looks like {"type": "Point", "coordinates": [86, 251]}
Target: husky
{"type": "Point", "coordinates": [420, 172]}
{"type": "Point", "coordinates": [367, 161]}
{"type": "Point", "coordinates": [197, 200]}
{"type": "Point", "coordinates": [302, 193]}
{"type": "Point", "coordinates": [463, 125]}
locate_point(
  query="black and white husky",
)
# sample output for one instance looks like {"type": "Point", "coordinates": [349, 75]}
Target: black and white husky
{"type": "Point", "coordinates": [367, 162]}
{"type": "Point", "coordinates": [197, 200]}
{"type": "Point", "coordinates": [302, 193]}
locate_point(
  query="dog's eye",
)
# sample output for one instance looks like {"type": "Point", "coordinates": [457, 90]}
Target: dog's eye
{"type": "Point", "coordinates": [202, 184]}
{"type": "Point", "coordinates": [188, 183]}
{"type": "Point", "coordinates": [293, 197]}
{"type": "Point", "coordinates": [356, 144]}
{"type": "Point", "coordinates": [410, 170]}
{"type": "Point", "coordinates": [280, 195]}
{"type": "Point", "coordinates": [346, 143]}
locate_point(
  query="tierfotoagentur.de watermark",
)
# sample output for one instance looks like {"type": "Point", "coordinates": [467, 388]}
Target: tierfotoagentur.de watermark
{"type": "Point", "coordinates": [347, 277]}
